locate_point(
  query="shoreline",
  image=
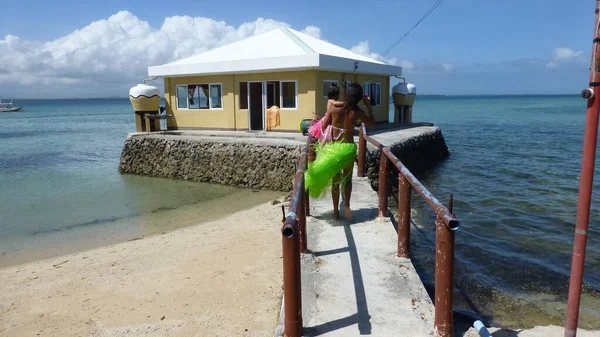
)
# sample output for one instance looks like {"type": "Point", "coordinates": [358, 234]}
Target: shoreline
{"type": "Point", "coordinates": [79, 239]}
{"type": "Point", "coordinates": [163, 284]}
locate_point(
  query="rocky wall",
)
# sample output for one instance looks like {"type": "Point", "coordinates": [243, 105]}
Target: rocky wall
{"type": "Point", "coordinates": [238, 163]}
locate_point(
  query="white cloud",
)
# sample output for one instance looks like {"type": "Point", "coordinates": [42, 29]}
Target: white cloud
{"type": "Point", "coordinates": [362, 48]}
{"type": "Point", "coordinates": [564, 55]}
{"type": "Point", "coordinates": [313, 31]}
{"type": "Point", "coordinates": [108, 56]}
{"type": "Point", "coordinates": [448, 67]}
{"type": "Point", "coordinates": [118, 50]}
{"type": "Point", "coordinates": [407, 64]}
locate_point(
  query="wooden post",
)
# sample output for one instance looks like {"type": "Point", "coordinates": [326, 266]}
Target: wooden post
{"type": "Point", "coordinates": [383, 184]}
{"type": "Point", "coordinates": [404, 190]}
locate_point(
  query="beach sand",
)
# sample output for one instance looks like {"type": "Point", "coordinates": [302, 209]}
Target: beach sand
{"type": "Point", "coordinates": [220, 278]}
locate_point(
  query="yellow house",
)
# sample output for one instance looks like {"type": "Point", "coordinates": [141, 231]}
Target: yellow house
{"type": "Point", "coordinates": [233, 86]}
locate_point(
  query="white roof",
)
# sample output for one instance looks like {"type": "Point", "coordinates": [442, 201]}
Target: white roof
{"type": "Point", "coordinates": [280, 49]}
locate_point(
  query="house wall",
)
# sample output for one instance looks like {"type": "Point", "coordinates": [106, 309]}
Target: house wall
{"type": "Point", "coordinates": [289, 118]}
{"type": "Point", "coordinates": [231, 117]}
{"type": "Point", "coordinates": [201, 118]}
{"type": "Point", "coordinates": [381, 112]}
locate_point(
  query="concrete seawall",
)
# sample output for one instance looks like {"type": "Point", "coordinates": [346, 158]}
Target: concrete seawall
{"type": "Point", "coordinates": [262, 161]}
{"type": "Point", "coordinates": [419, 148]}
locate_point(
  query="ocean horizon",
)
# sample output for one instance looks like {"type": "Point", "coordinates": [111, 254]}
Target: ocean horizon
{"type": "Point", "coordinates": [418, 95]}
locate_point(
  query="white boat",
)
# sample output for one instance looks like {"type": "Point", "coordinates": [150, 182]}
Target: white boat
{"type": "Point", "coordinates": [9, 107]}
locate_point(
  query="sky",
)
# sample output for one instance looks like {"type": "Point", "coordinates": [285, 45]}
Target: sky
{"type": "Point", "coordinates": [85, 49]}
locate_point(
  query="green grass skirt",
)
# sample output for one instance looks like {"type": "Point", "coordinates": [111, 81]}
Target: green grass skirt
{"type": "Point", "coordinates": [332, 158]}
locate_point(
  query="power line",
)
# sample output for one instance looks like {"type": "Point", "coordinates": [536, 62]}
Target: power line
{"type": "Point", "coordinates": [433, 7]}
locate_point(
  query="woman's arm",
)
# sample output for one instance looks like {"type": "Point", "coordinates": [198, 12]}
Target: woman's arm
{"type": "Point", "coordinates": [368, 118]}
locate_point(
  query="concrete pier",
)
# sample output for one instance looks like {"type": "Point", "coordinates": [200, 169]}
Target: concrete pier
{"type": "Point", "coordinates": [353, 283]}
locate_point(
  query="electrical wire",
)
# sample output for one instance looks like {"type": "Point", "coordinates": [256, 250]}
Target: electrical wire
{"type": "Point", "coordinates": [433, 7]}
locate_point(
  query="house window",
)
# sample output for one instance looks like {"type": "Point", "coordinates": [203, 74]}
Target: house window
{"type": "Point", "coordinates": [374, 92]}
{"type": "Point", "coordinates": [216, 97]}
{"type": "Point", "coordinates": [326, 85]}
{"type": "Point", "coordinates": [182, 97]}
{"type": "Point", "coordinates": [243, 95]}
{"type": "Point", "coordinates": [200, 96]}
{"type": "Point", "coordinates": [289, 94]}
{"type": "Point", "coordinates": [346, 86]}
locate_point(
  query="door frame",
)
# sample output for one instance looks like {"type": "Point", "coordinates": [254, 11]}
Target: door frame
{"type": "Point", "coordinates": [264, 104]}
{"type": "Point", "coordinates": [274, 91]}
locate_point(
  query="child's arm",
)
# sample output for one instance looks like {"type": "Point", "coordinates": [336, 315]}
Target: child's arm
{"type": "Point", "coordinates": [334, 103]}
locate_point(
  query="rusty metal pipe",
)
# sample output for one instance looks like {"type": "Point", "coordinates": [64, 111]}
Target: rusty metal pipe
{"type": "Point", "coordinates": [292, 291]}
{"type": "Point", "coordinates": [447, 217]}
{"type": "Point", "coordinates": [362, 152]}
{"type": "Point", "coordinates": [290, 231]}
{"type": "Point", "coordinates": [585, 186]}
{"type": "Point", "coordinates": [444, 279]}
{"type": "Point", "coordinates": [302, 224]}
{"type": "Point", "coordinates": [403, 217]}
{"type": "Point", "coordinates": [383, 185]}
{"type": "Point", "coordinates": [312, 155]}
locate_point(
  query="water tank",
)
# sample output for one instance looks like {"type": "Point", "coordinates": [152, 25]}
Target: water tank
{"type": "Point", "coordinates": [144, 97]}
{"type": "Point", "coordinates": [145, 100]}
{"type": "Point", "coordinates": [404, 93]}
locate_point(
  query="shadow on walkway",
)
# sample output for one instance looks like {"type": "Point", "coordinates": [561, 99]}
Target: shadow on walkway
{"type": "Point", "coordinates": [362, 317]}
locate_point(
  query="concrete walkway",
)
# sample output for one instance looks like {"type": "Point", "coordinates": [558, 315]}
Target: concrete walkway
{"type": "Point", "coordinates": [352, 282]}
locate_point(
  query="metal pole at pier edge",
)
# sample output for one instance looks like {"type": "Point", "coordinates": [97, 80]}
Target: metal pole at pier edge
{"type": "Point", "coordinates": [592, 94]}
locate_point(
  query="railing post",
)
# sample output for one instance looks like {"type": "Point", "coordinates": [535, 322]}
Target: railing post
{"type": "Point", "coordinates": [292, 291]}
{"type": "Point", "coordinates": [586, 182]}
{"type": "Point", "coordinates": [362, 152]}
{"type": "Point", "coordinates": [302, 223]}
{"type": "Point", "coordinates": [444, 279]}
{"type": "Point", "coordinates": [404, 190]}
{"type": "Point", "coordinates": [383, 186]}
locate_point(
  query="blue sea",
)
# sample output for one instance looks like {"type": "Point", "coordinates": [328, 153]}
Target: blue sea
{"type": "Point", "coordinates": [513, 169]}
{"type": "Point", "coordinates": [62, 192]}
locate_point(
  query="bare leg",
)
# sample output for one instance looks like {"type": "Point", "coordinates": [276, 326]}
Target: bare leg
{"type": "Point", "coordinates": [335, 196]}
{"type": "Point", "coordinates": [347, 174]}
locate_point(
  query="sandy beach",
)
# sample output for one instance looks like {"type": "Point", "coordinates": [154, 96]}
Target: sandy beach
{"type": "Point", "coordinates": [220, 278]}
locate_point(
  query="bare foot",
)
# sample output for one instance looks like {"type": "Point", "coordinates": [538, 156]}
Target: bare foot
{"type": "Point", "coordinates": [347, 212]}
{"type": "Point", "coordinates": [336, 214]}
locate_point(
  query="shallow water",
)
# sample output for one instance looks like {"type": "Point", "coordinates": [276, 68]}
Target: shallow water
{"type": "Point", "coordinates": [62, 192]}
{"type": "Point", "coordinates": [513, 169]}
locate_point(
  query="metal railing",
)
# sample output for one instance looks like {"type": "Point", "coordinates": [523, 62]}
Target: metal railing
{"type": "Point", "coordinates": [294, 241]}
{"type": "Point", "coordinates": [294, 234]}
{"type": "Point", "coordinates": [445, 225]}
